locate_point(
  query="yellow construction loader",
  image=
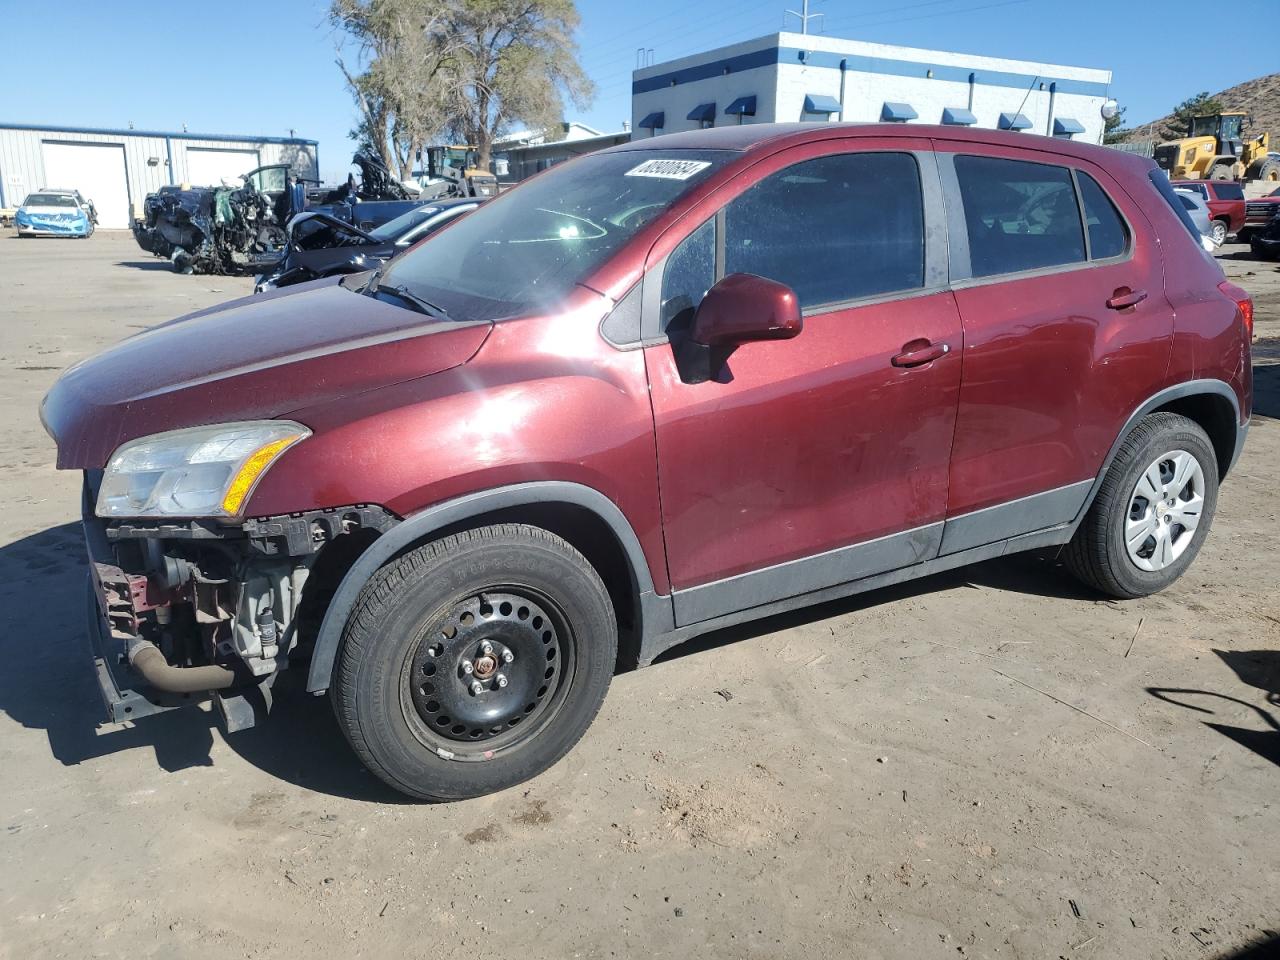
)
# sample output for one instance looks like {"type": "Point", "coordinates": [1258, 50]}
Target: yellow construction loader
{"type": "Point", "coordinates": [1217, 150]}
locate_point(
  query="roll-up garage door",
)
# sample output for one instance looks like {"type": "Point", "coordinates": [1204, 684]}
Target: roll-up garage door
{"type": "Point", "coordinates": [97, 170]}
{"type": "Point", "coordinates": [208, 167]}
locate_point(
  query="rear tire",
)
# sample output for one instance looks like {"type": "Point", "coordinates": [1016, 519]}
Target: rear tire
{"type": "Point", "coordinates": [423, 688]}
{"type": "Point", "coordinates": [1137, 498]}
{"type": "Point", "coordinates": [1269, 171]}
{"type": "Point", "coordinates": [1219, 232]}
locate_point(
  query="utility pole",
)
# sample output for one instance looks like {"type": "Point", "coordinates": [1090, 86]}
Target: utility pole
{"type": "Point", "coordinates": [804, 15]}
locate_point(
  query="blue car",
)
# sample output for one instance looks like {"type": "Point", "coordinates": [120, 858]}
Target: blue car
{"type": "Point", "coordinates": [53, 214]}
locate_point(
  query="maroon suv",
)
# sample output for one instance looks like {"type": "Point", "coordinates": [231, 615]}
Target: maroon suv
{"type": "Point", "coordinates": [1225, 200]}
{"type": "Point", "coordinates": [682, 383]}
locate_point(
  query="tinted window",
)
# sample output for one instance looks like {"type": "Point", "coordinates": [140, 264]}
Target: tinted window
{"type": "Point", "coordinates": [1187, 202]}
{"type": "Point", "coordinates": [1019, 215]}
{"type": "Point", "coordinates": [1228, 191]}
{"type": "Point", "coordinates": [833, 229]}
{"type": "Point", "coordinates": [689, 274]}
{"type": "Point", "coordinates": [1107, 235]}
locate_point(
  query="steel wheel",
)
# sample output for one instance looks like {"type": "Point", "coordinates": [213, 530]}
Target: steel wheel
{"type": "Point", "coordinates": [1164, 510]}
{"type": "Point", "coordinates": [488, 671]}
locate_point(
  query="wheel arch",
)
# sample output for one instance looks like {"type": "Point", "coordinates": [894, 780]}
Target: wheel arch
{"type": "Point", "coordinates": [1210, 403]}
{"type": "Point", "coordinates": [584, 517]}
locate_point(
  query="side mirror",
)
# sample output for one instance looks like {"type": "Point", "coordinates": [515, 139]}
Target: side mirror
{"type": "Point", "coordinates": [743, 308]}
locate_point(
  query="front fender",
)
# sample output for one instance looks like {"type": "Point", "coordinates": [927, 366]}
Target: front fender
{"type": "Point", "coordinates": [653, 611]}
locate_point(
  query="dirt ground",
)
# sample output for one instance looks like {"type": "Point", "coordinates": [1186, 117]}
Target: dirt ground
{"type": "Point", "coordinates": [990, 763]}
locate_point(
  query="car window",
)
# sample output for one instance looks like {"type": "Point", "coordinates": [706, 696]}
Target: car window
{"type": "Point", "coordinates": [833, 229]}
{"type": "Point", "coordinates": [1191, 188]}
{"type": "Point", "coordinates": [50, 200]}
{"type": "Point", "coordinates": [689, 274]}
{"type": "Point", "coordinates": [528, 247]}
{"type": "Point", "coordinates": [1107, 234]}
{"type": "Point", "coordinates": [1019, 215]}
{"type": "Point", "coordinates": [1228, 191]}
{"type": "Point", "coordinates": [432, 224]}
{"type": "Point", "coordinates": [271, 180]}
{"type": "Point", "coordinates": [1187, 202]}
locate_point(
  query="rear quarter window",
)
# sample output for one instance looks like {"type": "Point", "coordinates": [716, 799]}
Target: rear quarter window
{"type": "Point", "coordinates": [1108, 236]}
{"type": "Point", "coordinates": [1019, 215]}
{"type": "Point", "coordinates": [1228, 191]}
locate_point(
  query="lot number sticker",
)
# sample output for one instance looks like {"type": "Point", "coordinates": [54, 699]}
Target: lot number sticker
{"type": "Point", "coordinates": [669, 169]}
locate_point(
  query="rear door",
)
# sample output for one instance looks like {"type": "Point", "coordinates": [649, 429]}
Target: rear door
{"type": "Point", "coordinates": [817, 460]}
{"type": "Point", "coordinates": [1066, 331]}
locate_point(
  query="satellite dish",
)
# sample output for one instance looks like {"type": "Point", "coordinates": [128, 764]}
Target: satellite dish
{"type": "Point", "coordinates": [1109, 109]}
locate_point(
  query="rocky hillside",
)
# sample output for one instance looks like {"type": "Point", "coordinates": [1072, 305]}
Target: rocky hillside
{"type": "Point", "coordinates": [1260, 97]}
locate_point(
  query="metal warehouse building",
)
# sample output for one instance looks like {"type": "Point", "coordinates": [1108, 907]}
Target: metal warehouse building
{"type": "Point", "coordinates": [793, 76]}
{"type": "Point", "coordinates": [117, 168]}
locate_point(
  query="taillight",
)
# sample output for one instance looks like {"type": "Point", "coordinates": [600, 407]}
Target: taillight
{"type": "Point", "coordinates": [1244, 303]}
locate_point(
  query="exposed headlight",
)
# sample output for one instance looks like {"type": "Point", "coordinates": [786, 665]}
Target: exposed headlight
{"type": "Point", "coordinates": [199, 472]}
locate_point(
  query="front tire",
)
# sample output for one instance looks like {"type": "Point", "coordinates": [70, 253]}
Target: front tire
{"type": "Point", "coordinates": [1153, 511]}
{"type": "Point", "coordinates": [475, 662]}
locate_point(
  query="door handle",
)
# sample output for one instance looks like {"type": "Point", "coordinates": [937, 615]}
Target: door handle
{"type": "Point", "coordinates": [1124, 298]}
{"type": "Point", "coordinates": [919, 352]}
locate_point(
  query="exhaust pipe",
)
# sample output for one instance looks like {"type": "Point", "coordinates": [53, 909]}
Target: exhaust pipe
{"type": "Point", "coordinates": [147, 659]}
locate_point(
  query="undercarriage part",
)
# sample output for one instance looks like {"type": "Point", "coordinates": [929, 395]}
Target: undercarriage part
{"type": "Point", "coordinates": [197, 609]}
{"type": "Point", "coordinates": [147, 659]}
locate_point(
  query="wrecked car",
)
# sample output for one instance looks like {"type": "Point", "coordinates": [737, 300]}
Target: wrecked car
{"type": "Point", "coordinates": [223, 230]}
{"type": "Point", "coordinates": [322, 246]}
{"type": "Point", "coordinates": [238, 229]}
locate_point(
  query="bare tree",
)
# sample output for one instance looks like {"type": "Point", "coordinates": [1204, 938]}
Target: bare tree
{"type": "Point", "coordinates": [407, 49]}
{"type": "Point", "coordinates": [470, 66]}
{"type": "Point", "coordinates": [518, 60]}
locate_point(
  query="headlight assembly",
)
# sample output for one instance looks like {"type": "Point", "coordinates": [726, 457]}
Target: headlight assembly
{"type": "Point", "coordinates": [198, 472]}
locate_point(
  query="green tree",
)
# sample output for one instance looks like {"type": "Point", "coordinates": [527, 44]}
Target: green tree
{"type": "Point", "coordinates": [1202, 104]}
{"type": "Point", "coordinates": [517, 63]}
{"type": "Point", "coordinates": [1113, 128]}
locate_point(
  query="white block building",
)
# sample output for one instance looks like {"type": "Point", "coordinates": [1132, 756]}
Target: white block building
{"type": "Point", "coordinates": [793, 76]}
{"type": "Point", "coordinates": [116, 169]}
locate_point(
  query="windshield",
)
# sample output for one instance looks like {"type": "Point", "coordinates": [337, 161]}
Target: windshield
{"type": "Point", "coordinates": [394, 229]}
{"type": "Point", "coordinates": [526, 249]}
{"type": "Point", "coordinates": [50, 200]}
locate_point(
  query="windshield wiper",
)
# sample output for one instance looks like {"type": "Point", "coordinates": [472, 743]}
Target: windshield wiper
{"type": "Point", "coordinates": [411, 298]}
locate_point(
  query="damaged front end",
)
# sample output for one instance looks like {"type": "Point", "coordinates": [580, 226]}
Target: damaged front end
{"type": "Point", "coordinates": [184, 611]}
{"type": "Point", "coordinates": [220, 230]}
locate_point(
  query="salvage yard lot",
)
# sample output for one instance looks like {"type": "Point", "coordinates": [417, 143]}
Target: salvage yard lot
{"type": "Point", "coordinates": [988, 763]}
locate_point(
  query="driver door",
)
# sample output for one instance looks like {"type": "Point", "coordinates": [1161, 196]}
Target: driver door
{"type": "Point", "coordinates": [822, 459]}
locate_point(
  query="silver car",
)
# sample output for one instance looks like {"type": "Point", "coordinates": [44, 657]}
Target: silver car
{"type": "Point", "coordinates": [1198, 210]}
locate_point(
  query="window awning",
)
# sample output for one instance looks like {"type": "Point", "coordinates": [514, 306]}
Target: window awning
{"type": "Point", "coordinates": [818, 103]}
{"type": "Point", "coordinates": [1014, 121]}
{"type": "Point", "coordinates": [654, 121]}
{"type": "Point", "coordinates": [1066, 126]}
{"type": "Point", "coordinates": [897, 112]}
{"type": "Point", "coordinates": [958, 117]}
{"type": "Point", "coordinates": [705, 112]}
{"type": "Point", "coordinates": [744, 106]}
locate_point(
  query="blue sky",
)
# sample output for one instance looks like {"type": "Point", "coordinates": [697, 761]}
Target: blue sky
{"type": "Point", "coordinates": [267, 67]}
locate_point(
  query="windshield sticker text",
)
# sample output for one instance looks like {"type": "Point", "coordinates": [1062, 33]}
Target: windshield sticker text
{"type": "Point", "coordinates": [669, 169]}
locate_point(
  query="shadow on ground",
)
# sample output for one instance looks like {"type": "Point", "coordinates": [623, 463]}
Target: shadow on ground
{"type": "Point", "coordinates": [1267, 948]}
{"type": "Point", "coordinates": [162, 265]}
{"type": "Point", "coordinates": [1034, 574]}
{"type": "Point", "coordinates": [1266, 390]}
{"type": "Point", "coordinates": [48, 684]}
{"type": "Point", "coordinates": [1254, 668]}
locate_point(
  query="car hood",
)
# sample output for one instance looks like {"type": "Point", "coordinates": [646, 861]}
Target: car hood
{"type": "Point", "coordinates": [254, 358]}
{"type": "Point", "coordinates": [43, 211]}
